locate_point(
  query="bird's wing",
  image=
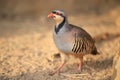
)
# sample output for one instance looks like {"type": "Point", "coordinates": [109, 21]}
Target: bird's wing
{"type": "Point", "coordinates": [83, 42]}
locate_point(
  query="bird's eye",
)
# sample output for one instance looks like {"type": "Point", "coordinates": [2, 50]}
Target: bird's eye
{"type": "Point", "coordinates": [57, 13]}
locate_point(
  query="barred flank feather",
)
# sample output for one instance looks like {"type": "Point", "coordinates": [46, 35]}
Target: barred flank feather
{"type": "Point", "coordinates": [80, 45]}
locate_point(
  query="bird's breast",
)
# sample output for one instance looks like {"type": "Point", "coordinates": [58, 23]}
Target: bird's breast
{"type": "Point", "coordinates": [64, 42]}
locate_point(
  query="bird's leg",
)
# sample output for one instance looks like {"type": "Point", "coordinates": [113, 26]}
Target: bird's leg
{"type": "Point", "coordinates": [64, 59]}
{"type": "Point", "coordinates": [80, 64]}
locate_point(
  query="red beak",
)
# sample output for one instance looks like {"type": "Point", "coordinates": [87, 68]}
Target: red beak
{"type": "Point", "coordinates": [51, 15]}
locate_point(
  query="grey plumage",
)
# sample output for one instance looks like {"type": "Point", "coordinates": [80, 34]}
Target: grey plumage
{"type": "Point", "coordinates": [70, 39]}
{"type": "Point", "coordinates": [73, 39]}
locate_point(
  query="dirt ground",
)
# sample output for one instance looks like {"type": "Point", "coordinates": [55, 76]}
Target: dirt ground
{"type": "Point", "coordinates": [27, 49]}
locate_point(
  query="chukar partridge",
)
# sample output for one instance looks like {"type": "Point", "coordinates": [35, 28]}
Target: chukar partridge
{"type": "Point", "coordinates": [70, 39]}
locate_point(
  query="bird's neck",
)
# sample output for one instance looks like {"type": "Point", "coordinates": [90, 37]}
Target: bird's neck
{"type": "Point", "coordinates": [60, 25]}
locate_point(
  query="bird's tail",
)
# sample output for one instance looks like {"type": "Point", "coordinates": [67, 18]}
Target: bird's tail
{"type": "Point", "coordinates": [95, 52]}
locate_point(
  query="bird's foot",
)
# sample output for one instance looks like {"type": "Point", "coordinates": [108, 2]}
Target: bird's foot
{"type": "Point", "coordinates": [54, 72]}
{"type": "Point", "coordinates": [79, 70]}
{"type": "Point", "coordinates": [57, 70]}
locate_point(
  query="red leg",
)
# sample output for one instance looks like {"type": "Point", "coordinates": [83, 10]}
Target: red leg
{"type": "Point", "coordinates": [80, 65]}
{"type": "Point", "coordinates": [64, 59]}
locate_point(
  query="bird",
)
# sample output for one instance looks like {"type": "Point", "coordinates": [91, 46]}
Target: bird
{"type": "Point", "coordinates": [70, 40]}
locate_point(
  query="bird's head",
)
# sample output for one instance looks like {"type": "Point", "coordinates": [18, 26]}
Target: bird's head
{"type": "Point", "coordinates": [57, 15]}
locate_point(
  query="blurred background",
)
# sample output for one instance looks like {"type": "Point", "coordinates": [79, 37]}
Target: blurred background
{"type": "Point", "coordinates": [27, 48]}
{"type": "Point", "coordinates": [35, 8]}
{"type": "Point", "coordinates": [23, 10]}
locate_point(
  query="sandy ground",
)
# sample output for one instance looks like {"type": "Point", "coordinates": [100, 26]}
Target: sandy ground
{"type": "Point", "coordinates": [27, 49]}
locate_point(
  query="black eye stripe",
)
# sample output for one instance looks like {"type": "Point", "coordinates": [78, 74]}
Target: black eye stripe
{"type": "Point", "coordinates": [53, 12]}
{"type": "Point", "coordinates": [61, 14]}
{"type": "Point", "coordinates": [57, 13]}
